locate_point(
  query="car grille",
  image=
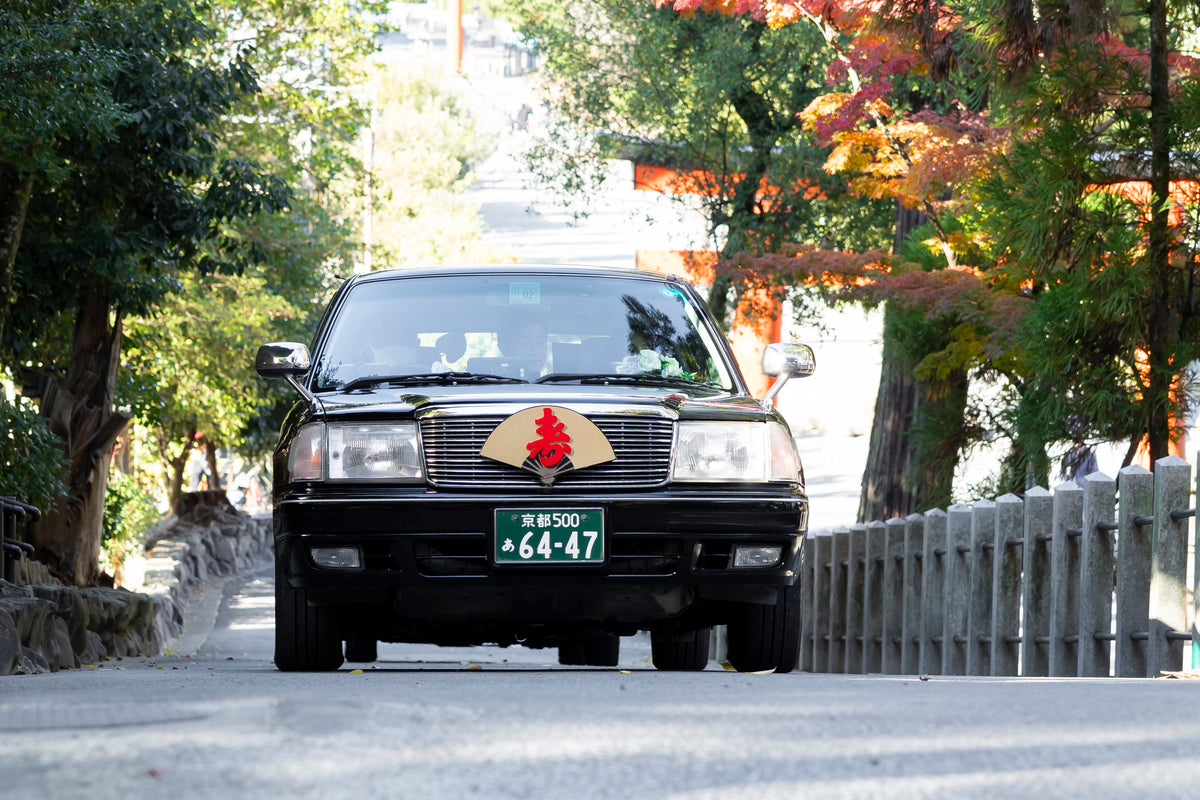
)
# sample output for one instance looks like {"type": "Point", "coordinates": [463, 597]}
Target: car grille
{"type": "Point", "coordinates": [642, 447]}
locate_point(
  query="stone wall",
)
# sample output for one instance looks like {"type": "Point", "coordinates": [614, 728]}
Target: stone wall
{"type": "Point", "coordinates": [45, 627]}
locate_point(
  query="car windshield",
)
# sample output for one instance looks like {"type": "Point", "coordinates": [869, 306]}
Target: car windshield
{"type": "Point", "coordinates": [522, 327]}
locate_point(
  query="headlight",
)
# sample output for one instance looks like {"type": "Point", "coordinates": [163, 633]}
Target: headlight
{"type": "Point", "coordinates": [735, 451]}
{"type": "Point", "coordinates": [363, 451]}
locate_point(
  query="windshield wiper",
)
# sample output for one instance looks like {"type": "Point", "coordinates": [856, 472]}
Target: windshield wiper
{"type": "Point", "coordinates": [427, 378]}
{"type": "Point", "coordinates": [604, 377]}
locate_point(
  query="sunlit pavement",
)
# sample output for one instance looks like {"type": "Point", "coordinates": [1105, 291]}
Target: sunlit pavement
{"type": "Point", "coordinates": [486, 722]}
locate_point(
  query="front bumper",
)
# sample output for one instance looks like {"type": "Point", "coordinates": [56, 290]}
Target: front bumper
{"type": "Point", "coordinates": [426, 554]}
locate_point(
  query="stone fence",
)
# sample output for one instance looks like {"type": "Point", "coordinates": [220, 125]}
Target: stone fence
{"type": "Point", "coordinates": [45, 626]}
{"type": "Point", "coordinates": [1069, 583]}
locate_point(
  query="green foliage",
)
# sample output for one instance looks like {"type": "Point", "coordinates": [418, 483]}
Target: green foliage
{"type": "Point", "coordinates": [135, 204]}
{"type": "Point", "coordinates": [1113, 325]}
{"type": "Point", "coordinates": [55, 66]}
{"type": "Point", "coordinates": [703, 92]}
{"type": "Point", "coordinates": [190, 365]}
{"type": "Point", "coordinates": [427, 144]}
{"type": "Point", "coordinates": [129, 513]}
{"type": "Point", "coordinates": [312, 59]}
{"type": "Point", "coordinates": [32, 465]}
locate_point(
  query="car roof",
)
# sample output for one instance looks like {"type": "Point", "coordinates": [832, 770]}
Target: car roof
{"type": "Point", "coordinates": [512, 269]}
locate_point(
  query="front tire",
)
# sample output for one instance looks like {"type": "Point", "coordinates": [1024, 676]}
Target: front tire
{"type": "Point", "coordinates": [680, 651]}
{"type": "Point", "coordinates": [767, 637]}
{"type": "Point", "coordinates": [306, 638]}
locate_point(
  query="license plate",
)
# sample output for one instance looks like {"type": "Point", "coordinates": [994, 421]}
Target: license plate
{"type": "Point", "coordinates": [549, 536]}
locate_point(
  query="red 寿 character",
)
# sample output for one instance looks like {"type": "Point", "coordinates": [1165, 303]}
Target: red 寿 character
{"type": "Point", "coordinates": [553, 446]}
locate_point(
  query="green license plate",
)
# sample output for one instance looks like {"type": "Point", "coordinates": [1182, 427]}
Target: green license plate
{"type": "Point", "coordinates": [549, 536]}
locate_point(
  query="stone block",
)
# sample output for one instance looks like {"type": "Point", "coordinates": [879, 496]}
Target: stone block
{"type": "Point", "coordinates": [93, 651]}
{"type": "Point", "coordinates": [10, 644]}
{"type": "Point", "coordinates": [226, 553]}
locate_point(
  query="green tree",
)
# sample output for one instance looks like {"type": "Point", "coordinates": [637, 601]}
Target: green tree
{"type": "Point", "coordinates": [54, 68]}
{"type": "Point", "coordinates": [189, 365]}
{"type": "Point", "coordinates": [1083, 295]}
{"type": "Point", "coordinates": [127, 209]}
{"type": "Point", "coordinates": [714, 96]}
{"type": "Point", "coordinates": [32, 466]}
{"type": "Point", "coordinates": [313, 62]}
{"type": "Point", "coordinates": [894, 127]}
{"type": "Point", "coordinates": [1108, 119]}
{"type": "Point", "coordinates": [426, 145]}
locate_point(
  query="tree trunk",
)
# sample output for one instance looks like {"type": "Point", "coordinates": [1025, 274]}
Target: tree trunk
{"type": "Point", "coordinates": [15, 191]}
{"type": "Point", "coordinates": [175, 466]}
{"type": "Point", "coordinates": [916, 436]}
{"type": "Point", "coordinates": [885, 492]}
{"type": "Point", "coordinates": [210, 456]}
{"type": "Point", "coordinates": [917, 429]}
{"type": "Point", "coordinates": [1161, 339]}
{"type": "Point", "coordinates": [79, 409]}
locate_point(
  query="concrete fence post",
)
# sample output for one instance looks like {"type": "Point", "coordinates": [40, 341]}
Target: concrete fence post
{"type": "Point", "coordinates": [855, 573]}
{"type": "Point", "coordinates": [956, 591]}
{"type": "Point", "coordinates": [913, 567]}
{"type": "Point", "coordinates": [1134, 540]}
{"type": "Point", "coordinates": [933, 555]}
{"type": "Point", "coordinates": [893, 596]}
{"type": "Point", "coordinates": [1196, 583]}
{"type": "Point", "coordinates": [979, 614]}
{"type": "Point", "coordinates": [823, 546]}
{"type": "Point", "coordinates": [873, 598]}
{"type": "Point", "coordinates": [838, 558]}
{"type": "Point", "coordinates": [1064, 580]}
{"type": "Point", "coordinates": [808, 585]}
{"type": "Point", "coordinates": [3, 533]}
{"type": "Point", "coordinates": [1097, 561]}
{"type": "Point", "coordinates": [1018, 586]}
{"type": "Point", "coordinates": [1005, 653]}
{"type": "Point", "coordinates": [1035, 585]}
{"type": "Point", "coordinates": [1168, 569]}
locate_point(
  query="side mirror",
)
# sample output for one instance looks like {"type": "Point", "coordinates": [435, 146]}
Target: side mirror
{"type": "Point", "coordinates": [282, 360]}
{"type": "Point", "coordinates": [287, 360]}
{"type": "Point", "coordinates": [785, 361]}
{"type": "Point", "coordinates": [793, 360]}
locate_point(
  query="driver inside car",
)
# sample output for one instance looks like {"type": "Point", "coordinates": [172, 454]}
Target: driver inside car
{"type": "Point", "coordinates": [523, 346]}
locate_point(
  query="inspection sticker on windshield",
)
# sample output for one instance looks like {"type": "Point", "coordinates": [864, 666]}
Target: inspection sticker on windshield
{"type": "Point", "coordinates": [549, 536]}
{"type": "Point", "coordinates": [524, 293]}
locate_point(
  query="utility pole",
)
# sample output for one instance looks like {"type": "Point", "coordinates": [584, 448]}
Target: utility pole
{"type": "Point", "coordinates": [454, 35]}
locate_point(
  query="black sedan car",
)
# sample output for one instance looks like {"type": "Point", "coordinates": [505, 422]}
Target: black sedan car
{"type": "Point", "coordinates": [550, 456]}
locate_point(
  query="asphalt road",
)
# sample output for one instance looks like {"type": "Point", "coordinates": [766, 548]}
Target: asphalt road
{"type": "Point", "coordinates": [510, 723]}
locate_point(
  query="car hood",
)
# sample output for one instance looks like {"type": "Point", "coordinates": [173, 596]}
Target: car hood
{"type": "Point", "coordinates": [507, 399]}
